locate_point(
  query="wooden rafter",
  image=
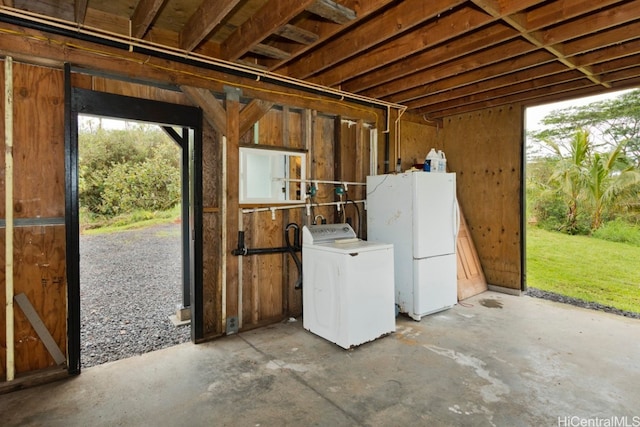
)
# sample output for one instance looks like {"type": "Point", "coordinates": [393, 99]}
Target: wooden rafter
{"type": "Point", "coordinates": [297, 34]}
{"type": "Point", "coordinates": [332, 11]}
{"type": "Point", "coordinates": [209, 15]}
{"type": "Point", "coordinates": [392, 23]}
{"type": "Point", "coordinates": [326, 30]}
{"type": "Point", "coordinates": [484, 38]}
{"type": "Point", "coordinates": [494, 55]}
{"type": "Point", "coordinates": [448, 27]}
{"type": "Point", "coordinates": [145, 13]}
{"type": "Point", "coordinates": [437, 56]}
{"type": "Point", "coordinates": [252, 32]}
{"type": "Point", "coordinates": [80, 10]}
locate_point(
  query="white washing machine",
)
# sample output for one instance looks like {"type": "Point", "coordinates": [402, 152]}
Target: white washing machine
{"type": "Point", "coordinates": [348, 288]}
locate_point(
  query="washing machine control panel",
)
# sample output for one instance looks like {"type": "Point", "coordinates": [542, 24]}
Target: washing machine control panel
{"type": "Point", "coordinates": [323, 233]}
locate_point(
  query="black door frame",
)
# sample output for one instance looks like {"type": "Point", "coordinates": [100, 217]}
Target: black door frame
{"type": "Point", "coordinates": [82, 101]}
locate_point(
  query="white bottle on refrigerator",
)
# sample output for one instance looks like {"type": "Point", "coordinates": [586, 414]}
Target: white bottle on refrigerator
{"type": "Point", "coordinates": [418, 213]}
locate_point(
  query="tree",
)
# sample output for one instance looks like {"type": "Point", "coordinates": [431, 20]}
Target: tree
{"type": "Point", "coordinates": [611, 123]}
{"type": "Point", "coordinates": [569, 175]}
{"type": "Point", "coordinates": [609, 176]}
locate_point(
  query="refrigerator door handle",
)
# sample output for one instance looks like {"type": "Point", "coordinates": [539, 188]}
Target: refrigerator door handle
{"type": "Point", "coordinates": [456, 216]}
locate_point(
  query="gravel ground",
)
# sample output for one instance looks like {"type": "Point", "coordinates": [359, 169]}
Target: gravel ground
{"type": "Point", "coordinates": [130, 282]}
{"type": "Point", "coordinates": [537, 293]}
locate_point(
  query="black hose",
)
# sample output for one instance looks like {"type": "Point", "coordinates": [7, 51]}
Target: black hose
{"type": "Point", "coordinates": [359, 217]}
{"type": "Point", "coordinates": [293, 249]}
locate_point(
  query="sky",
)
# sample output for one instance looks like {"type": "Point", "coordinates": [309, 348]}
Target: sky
{"type": "Point", "coordinates": [537, 113]}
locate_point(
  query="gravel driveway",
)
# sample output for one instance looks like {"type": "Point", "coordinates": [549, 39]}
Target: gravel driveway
{"type": "Point", "coordinates": [130, 282]}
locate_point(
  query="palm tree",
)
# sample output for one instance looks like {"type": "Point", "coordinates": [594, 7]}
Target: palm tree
{"type": "Point", "coordinates": [610, 176]}
{"type": "Point", "coordinates": [570, 174]}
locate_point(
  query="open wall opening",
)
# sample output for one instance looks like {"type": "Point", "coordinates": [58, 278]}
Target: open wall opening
{"type": "Point", "coordinates": [583, 211]}
{"type": "Point", "coordinates": [131, 240]}
{"type": "Point", "coordinates": [183, 125]}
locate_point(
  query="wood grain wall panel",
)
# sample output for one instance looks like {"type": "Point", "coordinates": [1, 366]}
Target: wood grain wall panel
{"type": "Point", "coordinates": [484, 149]}
{"type": "Point", "coordinates": [38, 142]}
{"type": "Point", "coordinates": [211, 280]}
{"type": "Point", "coordinates": [135, 90]}
{"type": "Point", "coordinates": [270, 128]}
{"type": "Point", "coordinates": [39, 273]}
{"type": "Point", "coordinates": [3, 312]}
{"type": "Point", "coordinates": [488, 167]}
{"type": "Point", "coordinates": [211, 228]}
{"type": "Point", "coordinates": [416, 141]}
{"type": "Point", "coordinates": [2, 164]}
{"type": "Point", "coordinates": [38, 252]}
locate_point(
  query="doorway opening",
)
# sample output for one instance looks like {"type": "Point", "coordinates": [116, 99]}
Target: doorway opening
{"type": "Point", "coordinates": [132, 299]}
{"type": "Point", "coordinates": [183, 125]}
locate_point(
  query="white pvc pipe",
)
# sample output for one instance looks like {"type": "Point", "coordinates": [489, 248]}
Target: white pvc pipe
{"type": "Point", "coordinates": [8, 161]}
{"type": "Point", "coordinates": [224, 232]}
{"type": "Point", "coordinates": [298, 206]}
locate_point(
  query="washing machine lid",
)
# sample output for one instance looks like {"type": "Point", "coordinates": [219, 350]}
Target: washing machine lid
{"type": "Point", "coordinates": [347, 248]}
{"type": "Point", "coordinates": [325, 233]}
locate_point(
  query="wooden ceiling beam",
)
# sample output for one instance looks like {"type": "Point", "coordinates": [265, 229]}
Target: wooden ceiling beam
{"type": "Point", "coordinates": [143, 16]}
{"type": "Point", "coordinates": [208, 16]}
{"type": "Point", "coordinates": [608, 53]}
{"type": "Point", "coordinates": [546, 75]}
{"type": "Point", "coordinates": [445, 27]}
{"type": "Point", "coordinates": [501, 8]}
{"type": "Point", "coordinates": [473, 76]}
{"type": "Point", "coordinates": [614, 36]}
{"type": "Point", "coordinates": [332, 11]}
{"type": "Point", "coordinates": [590, 24]}
{"type": "Point", "coordinates": [80, 8]}
{"type": "Point", "coordinates": [269, 51]}
{"type": "Point", "coordinates": [262, 24]}
{"type": "Point", "coordinates": [481, 39]}
{"type": "Point", "coordinates": [512, 99]}
{"type": "Point", "coordinates": [325, 29]}
{"type": "Point", "coordinates": [453, 85]}
{"type": "Point", "coordinates": [621, 75]}
{"type": "Point", "coordinates": [616, 64]}
{"type": "Point", "coordinates": [495, 88]}
{"type": "Point", "coordinates": [393, 22]}
{"type": "Point", "coordinates": [556, 12]}
{"type": "Point", "coordinates": [478, 60]}
{"type": "Point", "coordinates": [297, 34]}
{"type": "Point", "coordinates": [548, 38]}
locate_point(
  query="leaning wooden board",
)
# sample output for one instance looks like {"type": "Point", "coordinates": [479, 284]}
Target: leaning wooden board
{"type": "Point", "coordinates": [471, 280]}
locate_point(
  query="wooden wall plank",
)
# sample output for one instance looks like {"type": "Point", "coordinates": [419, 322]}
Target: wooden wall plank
{"type": "Point", "coordinates": [488, 167]}
{"type": "Point", "coordinates": [39, 252]}
{"type": "Point", "coordinates": [211, 188]}
{"type": "Point", "coordinates": [135, 90]}
{"type": "Point", "coordinates": [39, 142]}
{"type": "Point", "coordinates": [232, 107]}
{"type": "Point", "coordinates": [40, 266]}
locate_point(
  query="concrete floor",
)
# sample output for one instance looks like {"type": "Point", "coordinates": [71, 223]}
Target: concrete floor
{"type": "Point", "coordinates": [498, 360]}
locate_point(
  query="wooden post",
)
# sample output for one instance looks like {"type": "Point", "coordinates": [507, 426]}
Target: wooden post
{"type": "Point", "coordinates": [233, 287]}
{"type": "Point", "coordinates": [8, 160]}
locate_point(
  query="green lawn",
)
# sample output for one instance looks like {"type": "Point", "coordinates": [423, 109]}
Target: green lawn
{"type": "Point", "coordinates": [590, 269]}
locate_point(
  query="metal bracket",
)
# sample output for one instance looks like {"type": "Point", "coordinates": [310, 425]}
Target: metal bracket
{"type": "Point", "coordinates": [232, 93]}
{"type": "Point", "coordinates": [232, 325]}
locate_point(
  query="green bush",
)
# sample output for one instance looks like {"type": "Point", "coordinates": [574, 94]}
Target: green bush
{"type": "Point", "coordinates": [152, 185]}
{"type": "Point", "coordinates": [619, 231]}
{"type": "Point", "coordinates": [127, 170]}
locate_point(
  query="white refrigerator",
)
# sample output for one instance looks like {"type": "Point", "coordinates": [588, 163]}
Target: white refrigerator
{"type": "Point", "coordinates": [417, 212]}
